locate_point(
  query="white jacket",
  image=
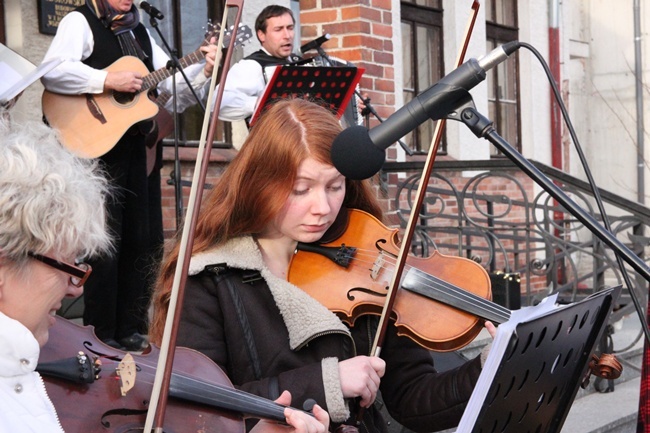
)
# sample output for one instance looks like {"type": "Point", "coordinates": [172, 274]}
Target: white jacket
{"type": "Point", "coordinates": [24, 404]}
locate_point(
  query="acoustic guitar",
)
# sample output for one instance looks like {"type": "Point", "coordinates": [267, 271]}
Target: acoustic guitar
{"type": "Point", "coordinates": [90, 125]}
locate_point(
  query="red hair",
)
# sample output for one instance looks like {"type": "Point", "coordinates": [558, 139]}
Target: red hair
{"type": "Point", "coordinates": [256, 184]}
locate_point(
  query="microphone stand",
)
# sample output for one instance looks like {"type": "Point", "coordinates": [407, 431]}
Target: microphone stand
{"type": "Point", "coordinates": [482, 127]}
{"type": "Point", "coordinates": [174, 66]}
{"type": "Point", "coordinates": [369, 109]}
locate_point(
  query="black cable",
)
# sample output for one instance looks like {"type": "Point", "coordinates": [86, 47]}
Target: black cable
{"type": "Point", "coordinates": [596, 192]}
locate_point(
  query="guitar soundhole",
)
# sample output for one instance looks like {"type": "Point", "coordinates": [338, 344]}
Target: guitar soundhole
{"type": "Point", "coordinates": [123, 97]}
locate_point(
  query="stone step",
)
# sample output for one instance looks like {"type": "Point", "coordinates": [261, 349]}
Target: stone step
{"type": "Point", "coordinates": [604, 413]}
{"type": "Point", "coordinates": [593, 411]}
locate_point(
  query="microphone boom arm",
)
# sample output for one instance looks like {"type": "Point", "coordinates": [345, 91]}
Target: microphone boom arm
{"type": "Point", "coordinates": [482, 127]}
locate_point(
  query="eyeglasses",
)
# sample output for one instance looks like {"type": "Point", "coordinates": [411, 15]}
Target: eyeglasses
{"type": "Point", "coordinates": [79, 273]}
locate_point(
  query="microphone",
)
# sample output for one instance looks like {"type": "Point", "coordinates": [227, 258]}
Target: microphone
{"type": "Point", "coordinates": [358, 153]}
{"type": "Point", "coordinates": [315, 43]}
{"type": "Point", "coordinates": [152, 11]}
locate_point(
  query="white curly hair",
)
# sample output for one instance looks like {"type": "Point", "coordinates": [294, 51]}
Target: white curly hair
{"type": "Point", "coordinates": [51, 202]}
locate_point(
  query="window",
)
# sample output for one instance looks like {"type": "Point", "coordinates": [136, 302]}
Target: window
{"type": "Point", "coordinates": [186, 34]}
{"type": "Point", "coordinates": [503, 81]}
{"type": "Point", "coordinates": [422, 60]}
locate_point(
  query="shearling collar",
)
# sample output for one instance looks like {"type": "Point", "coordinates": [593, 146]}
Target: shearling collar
{"type": "Point", "coordinates": [302, 314]}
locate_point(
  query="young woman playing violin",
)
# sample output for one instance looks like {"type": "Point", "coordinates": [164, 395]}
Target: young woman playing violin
{"type": "Point", "coordinates": [267, 334]}
{"type": "Point", "coordinates": [51, 214]}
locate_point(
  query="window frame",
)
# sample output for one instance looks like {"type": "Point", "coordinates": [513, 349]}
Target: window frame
{"type": "Point", "coordinates": [415, 16]}
{"type": "Point", "coordinates": [498, 34]}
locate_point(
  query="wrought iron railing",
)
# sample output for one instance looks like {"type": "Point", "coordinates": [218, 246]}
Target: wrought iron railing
{"type": "Point", "coordinates": [493, 213]}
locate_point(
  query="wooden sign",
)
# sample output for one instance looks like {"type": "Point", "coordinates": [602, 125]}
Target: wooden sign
{"type": "Point", "coordinates": [50, 13]}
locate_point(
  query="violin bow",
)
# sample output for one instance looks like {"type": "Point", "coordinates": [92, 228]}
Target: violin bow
{"type": "Point", "coordinates": [159, 393]}
{"type": "Point", "coordinates": [417, 204]}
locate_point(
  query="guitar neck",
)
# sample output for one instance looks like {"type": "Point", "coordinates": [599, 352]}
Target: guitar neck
{"type": "Point", "coordinates": [151, 80]}
{"type": "Point", "coordinates": [162, 98]}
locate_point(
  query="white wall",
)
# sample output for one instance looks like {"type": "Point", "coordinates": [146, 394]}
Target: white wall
{"type": "Point", "coordinates": [462, 144]}
{"type": "Point", "coordinates": [609, 85]}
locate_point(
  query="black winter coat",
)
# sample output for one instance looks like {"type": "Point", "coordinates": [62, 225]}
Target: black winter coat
{"type": "Point", "coordinates": [270, 336]}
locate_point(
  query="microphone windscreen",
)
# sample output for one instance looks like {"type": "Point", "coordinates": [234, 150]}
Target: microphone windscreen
{"type": "Point", "coordinates": [355, 156]}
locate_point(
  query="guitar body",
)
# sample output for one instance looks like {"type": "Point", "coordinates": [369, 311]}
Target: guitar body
{"type": "Point", "coordinates": [91, 124]}
{"type": "Point", "coordinates": [165, 126]}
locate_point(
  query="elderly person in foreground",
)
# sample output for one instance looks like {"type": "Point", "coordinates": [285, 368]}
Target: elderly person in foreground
{"type": "Point", "coordinates": [52, 216]}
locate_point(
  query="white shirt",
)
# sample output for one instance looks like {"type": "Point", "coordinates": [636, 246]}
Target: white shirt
{"type": "Point", "coordinates": [24, 404]}
{"type": "Point", "coordinates": [74, 42]}
{"type": "Point", "coordinates": [245, 83]}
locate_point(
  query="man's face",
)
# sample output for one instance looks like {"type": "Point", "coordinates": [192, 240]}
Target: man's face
{"type": "Point", "coordinates": [121, 5]}
{"type": "Point", "coordinates": [278, 38]}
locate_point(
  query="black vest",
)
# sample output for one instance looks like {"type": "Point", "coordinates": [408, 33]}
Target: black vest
{"type": "Point", "coordinates": [264, 59]}
{"type": "Point", "coordinates": [107, 48]}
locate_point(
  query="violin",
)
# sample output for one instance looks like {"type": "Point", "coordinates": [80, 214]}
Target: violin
{"type": "Point", "coordinates": [442, 302]}
{"type": "Point", "coordinates": [112, 388]}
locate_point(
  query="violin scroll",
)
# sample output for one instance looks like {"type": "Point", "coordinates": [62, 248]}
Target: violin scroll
{"type": "Point", "coordinates": [606, 367]}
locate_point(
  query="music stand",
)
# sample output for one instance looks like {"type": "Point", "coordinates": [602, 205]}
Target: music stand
{"type": "Point", "coordinates": [18, 73]}
{"type": "Point", "coordinates": [535, 367]}
{"type": "Point", "coordinates": [331, 87]}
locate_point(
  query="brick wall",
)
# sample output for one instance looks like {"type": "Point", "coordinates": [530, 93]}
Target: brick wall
{"type": "Point", "coordinates": [219, 158]}
{"type": "Point", "coordinates": [361, 33]}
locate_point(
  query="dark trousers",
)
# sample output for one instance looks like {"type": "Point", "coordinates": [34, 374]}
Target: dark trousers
{"type": "Point", "coordinates": [116, 296]}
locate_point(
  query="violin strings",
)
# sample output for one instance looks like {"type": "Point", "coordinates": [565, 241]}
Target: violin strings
{"type": "Point", "coordinates": [463, 296]}
{"type": "Point", "coordinates": [217, 393]}
{"type": "Point", "coordinates": [434, 283]}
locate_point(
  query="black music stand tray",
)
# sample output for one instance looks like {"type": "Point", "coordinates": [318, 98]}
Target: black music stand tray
{"type": "Point", "coordinates": [331, 87]}
{"type": "Point", "coordinates": [536, 364]}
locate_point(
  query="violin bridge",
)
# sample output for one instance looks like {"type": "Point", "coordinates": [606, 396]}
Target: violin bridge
{"type": "Point", "coordinates": [126, 371]}
{"type": "Point", "coordinates": [377, 266]}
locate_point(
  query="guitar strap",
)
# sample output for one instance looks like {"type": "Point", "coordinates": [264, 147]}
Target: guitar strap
{"type": "Point", "coordinates": [265, 59]}
{"type": "Point", "coordinates": [107, 48]}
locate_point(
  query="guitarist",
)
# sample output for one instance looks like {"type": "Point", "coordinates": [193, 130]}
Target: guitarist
{"type": "Point", "coordinates": [91, 38]}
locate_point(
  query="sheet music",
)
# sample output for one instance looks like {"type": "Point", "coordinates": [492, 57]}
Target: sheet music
{"type": "Point", "coordinates": [18, 73]}
{"type": "Point", "coordinates": [493, 361]}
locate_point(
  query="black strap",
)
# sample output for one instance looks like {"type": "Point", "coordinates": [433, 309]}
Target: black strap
{"type": "Point", "coordinates": [246, 327]}
{"type": "Point", "coordinates": [264, 59]}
